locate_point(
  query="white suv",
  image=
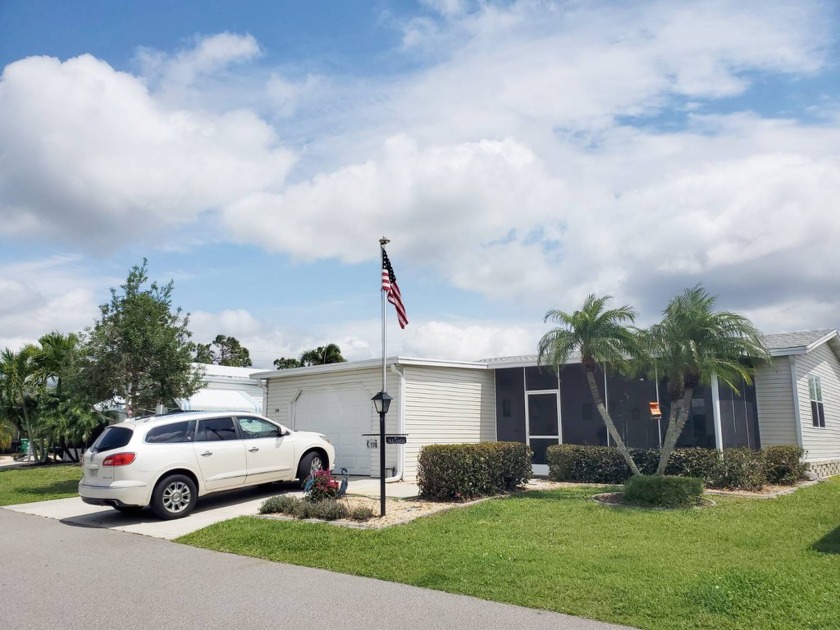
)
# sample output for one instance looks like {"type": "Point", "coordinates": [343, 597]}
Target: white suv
{"type": "Point", "coordinates": [168, 461]}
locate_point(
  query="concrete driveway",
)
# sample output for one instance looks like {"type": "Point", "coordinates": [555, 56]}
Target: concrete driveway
{"type": "Point", "coordinates": [210, 509]}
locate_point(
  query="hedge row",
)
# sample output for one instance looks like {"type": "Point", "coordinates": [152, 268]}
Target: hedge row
{"type": "Point", "coordinates": [737, 468]}
{"type": "Point", "coordinates": [457, 472]}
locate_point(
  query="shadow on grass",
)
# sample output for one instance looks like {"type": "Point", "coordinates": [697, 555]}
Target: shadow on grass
{"type": "Point", "coordinates": [830, 543]}
{"type": "Point", "coordinates": [564, 494]}
{"type": "Point", "coordinates": [59, 487]}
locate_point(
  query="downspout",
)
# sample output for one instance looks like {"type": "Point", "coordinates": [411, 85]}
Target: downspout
{"type": "Point", "coordinates": [398, 473]}
{"type": "Point", "coordinates": [797, 412]}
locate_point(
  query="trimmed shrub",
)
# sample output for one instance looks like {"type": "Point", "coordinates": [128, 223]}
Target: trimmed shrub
{"type": "Point", "coordinates": [663, 491]}
{"type": "Point", "coordinates": [784, 464]}
{"type": "Point", "coordinates": [739, 469]}
{"type": "Point", "coordinates": [328, 510]}
{"type": "Point", "coordinates": [457, 472]}
{"type": "Point", "coordinates": [692, 462]}
{"type": "Point", "coordinates": [586, 464]}
{"type": "Point", "coordinates": [361, 513]}
{"type": "Point", "coordinates": [282, 504]}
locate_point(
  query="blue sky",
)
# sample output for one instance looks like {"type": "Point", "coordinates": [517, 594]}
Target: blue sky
{"type": "Point", "coordinates": [519, 155]}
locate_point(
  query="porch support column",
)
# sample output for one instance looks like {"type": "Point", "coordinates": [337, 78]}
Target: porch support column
{"type": "Point", "coordinates": [716, 413]}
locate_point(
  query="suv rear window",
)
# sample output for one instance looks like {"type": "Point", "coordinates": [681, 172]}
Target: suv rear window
{"type": "Point", "coordinates": [111, 438]}
{"type": "Point", "coordinates": [173, 432]}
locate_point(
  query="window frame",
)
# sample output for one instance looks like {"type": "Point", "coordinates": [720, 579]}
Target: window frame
{"type": "Point", "coordinates": [816, 398]}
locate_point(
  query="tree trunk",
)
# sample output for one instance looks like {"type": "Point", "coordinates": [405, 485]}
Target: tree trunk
{"type": "Point", "coordinates": [596, 396]}
{"type": "Point", "coordinates": [676, 424]}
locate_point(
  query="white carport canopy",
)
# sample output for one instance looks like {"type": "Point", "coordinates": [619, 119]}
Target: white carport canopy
{"type": "Point", "coordinates": [219, 400]}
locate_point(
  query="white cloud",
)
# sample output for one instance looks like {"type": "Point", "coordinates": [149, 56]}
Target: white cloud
{"type": "Point", "coordinates": [44, 295]}
{"type": "Point", "coordinates": [91, 156]}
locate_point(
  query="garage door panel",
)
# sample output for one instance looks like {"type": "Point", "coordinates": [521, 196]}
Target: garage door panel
{"type": "Point", "coordinates": [343, 415]}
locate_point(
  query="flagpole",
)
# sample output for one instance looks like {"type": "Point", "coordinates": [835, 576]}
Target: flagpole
{"type": "Point", "coordinates": [382, 243]}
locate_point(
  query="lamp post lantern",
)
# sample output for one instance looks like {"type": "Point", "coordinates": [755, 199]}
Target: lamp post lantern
{"type": "Point", "coordinates": [382, 401]}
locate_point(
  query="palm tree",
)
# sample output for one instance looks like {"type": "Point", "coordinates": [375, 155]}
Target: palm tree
{"type": "Point", "coordinates": [17, 386]}
{"type": "Point", "coordinates": [601, 338]}
{"type": "Point", "coordinates": [66, 415]}
{"type": "Point", "coordinates": [322, 355]}
{"type": "Point", "coordinates": [690, 345]}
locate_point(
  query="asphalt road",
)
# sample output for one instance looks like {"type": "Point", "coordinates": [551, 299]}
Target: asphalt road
{"type": "Point", "coordinates": [56, 575]}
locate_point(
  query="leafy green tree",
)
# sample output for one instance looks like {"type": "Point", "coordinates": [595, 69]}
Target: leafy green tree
{"type": "Point", "coordinates": [690, 345]}
{"type": "Point", "coordinates": [228, 351]}
{"type": "Point", "coordinates": [284, 363]}
{"type": "Point", "coordinates": [140, 349]}
{"type": "Point", "coordinates": [601, 337]}
{"type": "Point", "coordinates": [204, 354]}
{"type": "Point", "coordinates": [322, 355]}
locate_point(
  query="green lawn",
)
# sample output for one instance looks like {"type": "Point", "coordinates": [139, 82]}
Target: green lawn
{"type": "Point", "coordinates": [39, 483]}
{"type": "Point", "coordinates": [745, 563]}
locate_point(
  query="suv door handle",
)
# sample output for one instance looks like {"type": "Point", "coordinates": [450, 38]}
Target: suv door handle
{"type": "Point", "coordinates": [253, 449]}
{"type": "Point", "coordinates": [206, 454]}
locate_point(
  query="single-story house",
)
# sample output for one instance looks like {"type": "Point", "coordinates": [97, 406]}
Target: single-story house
{"type": "Point", "coordinates": [795, 399]}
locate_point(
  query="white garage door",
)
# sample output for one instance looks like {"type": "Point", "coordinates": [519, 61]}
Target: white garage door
{"type": "Point", "coordinates": [343, 414]}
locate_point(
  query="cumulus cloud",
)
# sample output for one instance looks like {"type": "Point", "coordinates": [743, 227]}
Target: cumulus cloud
{"type": "Point", "coordinates": [44, 295]}
{"type": "Point", "coordinates": [89, 154]}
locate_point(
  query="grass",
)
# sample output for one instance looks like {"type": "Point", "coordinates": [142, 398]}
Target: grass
{"type": "Point", "coordinates": [745, 563]}
{"type": "Point", "coordinates": [39, 483]}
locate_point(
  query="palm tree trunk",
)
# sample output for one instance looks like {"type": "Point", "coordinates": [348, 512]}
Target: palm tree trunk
{"type": "Point", "coordinates": [28, 428]}
{"type": "Point", "coordinates": [675, 429]}
{"type": "Point", "coordinates": [605, 415]}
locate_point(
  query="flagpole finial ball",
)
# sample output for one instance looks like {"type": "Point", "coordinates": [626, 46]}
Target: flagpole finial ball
{"type": "Point", "coordinates": [384, 241]}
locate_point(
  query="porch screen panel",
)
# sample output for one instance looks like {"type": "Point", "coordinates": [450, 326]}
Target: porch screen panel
{"type": "Point", "coordinates": [510, 405]}
{"type": "Point", "coordinates": [629, 400]}
{"type": "Point", "coordinates": [738, 417]}
{"type": "Point", "coordinates": [582, 424]}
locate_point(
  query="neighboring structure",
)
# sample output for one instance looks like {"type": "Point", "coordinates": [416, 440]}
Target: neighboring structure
{"type": "Point", "coordinates": [799, 396]}
{"type": "Point", "coordinates": [795, 400]}
{"type": "Point", "coordinates": [227, 389]}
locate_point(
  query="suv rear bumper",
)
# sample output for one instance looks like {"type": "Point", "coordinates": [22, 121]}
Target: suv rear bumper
{"type": "Point", "coordinates": [114, 496]}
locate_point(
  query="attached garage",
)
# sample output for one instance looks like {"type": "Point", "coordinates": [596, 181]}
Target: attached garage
{"type": "Point", "coordinates": [433, 402]}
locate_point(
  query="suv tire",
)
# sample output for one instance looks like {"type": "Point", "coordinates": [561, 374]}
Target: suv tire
{"type": "Point", "coordinates": [174, 497]}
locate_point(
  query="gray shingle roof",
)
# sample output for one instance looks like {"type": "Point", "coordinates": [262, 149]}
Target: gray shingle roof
{"type": "Point", "coordinates": [800, 339]}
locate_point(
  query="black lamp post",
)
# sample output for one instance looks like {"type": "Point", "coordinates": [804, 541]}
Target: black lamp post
{"type": "Point", "coordinates": [382, 401]}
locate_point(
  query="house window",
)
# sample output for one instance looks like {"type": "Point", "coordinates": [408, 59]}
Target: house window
{"type": "Point", "coordinates": [817, 409]}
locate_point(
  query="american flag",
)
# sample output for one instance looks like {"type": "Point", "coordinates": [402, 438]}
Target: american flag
{"type": "Point", "coordinates": [389, 285]}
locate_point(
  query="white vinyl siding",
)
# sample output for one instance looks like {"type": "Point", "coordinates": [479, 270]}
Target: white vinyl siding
{"type": "Point", "coordinates": [447, 406]}
{"type": "Point", "coordinates": [282, 391]}
{"type": "Point", "coordinates": [820, 442]}
{"type": "Point", "coordinates": [774, 399]}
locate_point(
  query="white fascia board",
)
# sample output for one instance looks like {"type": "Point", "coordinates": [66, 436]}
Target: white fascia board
{"type": "Point", "coordinates": [367, 364]}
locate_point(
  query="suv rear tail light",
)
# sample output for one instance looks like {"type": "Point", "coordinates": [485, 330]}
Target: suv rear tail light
{"type": "Point", "coordinates": [120, 459]}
